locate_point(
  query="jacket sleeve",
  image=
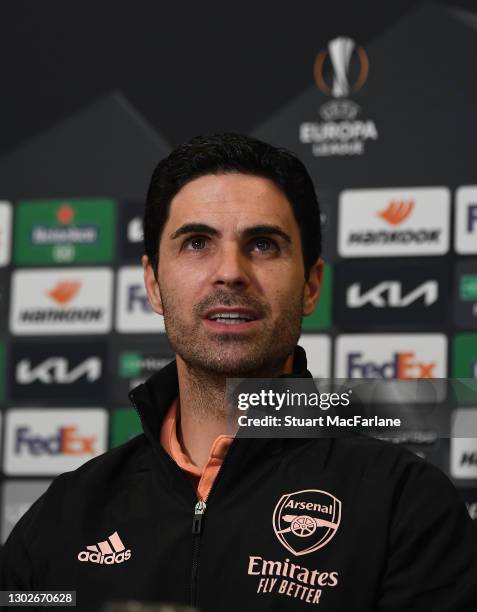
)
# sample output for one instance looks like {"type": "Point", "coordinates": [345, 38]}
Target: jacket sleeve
{"type": "Point", "coordinates": [432, 556]}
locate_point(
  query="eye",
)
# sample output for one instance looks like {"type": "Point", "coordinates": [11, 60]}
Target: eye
{"type": "Point", "coordinates": [265, 244]}
{"type": "Point", "coordinates": [196, 243]}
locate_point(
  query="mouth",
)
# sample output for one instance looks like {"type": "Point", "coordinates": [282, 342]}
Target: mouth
{"type": "Point", "coordinates": [231, 319]}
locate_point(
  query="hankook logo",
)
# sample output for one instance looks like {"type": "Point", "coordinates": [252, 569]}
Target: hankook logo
{"type": "Point", "coordinates": [397, 212]}
{"type": "Point", "coordinates": [64, 291]}
{"type": "Point", "coordinates": [394, 222]}
{"type": "Point", "coordinates": [52, 301]}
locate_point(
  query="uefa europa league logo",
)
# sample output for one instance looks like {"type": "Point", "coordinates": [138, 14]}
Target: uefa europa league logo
{"type": "Point", "coordinates": [340, 52]}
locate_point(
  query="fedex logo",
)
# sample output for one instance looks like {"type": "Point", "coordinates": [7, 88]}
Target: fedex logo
{"type": "Point", "coordinates": [47, 442]}
{"type": "Point", "coordinates": [66, 441]}
{"type": "Point", "coordinates": [133, 311]}
{"type": "Point", "coordinates": [401, 365]}
{"type": "Point", "coordinates": [137, 299]}
{"type": "Point", "coordinates": [394, 356]}
{"type": "Point", "coordinates": [466, 220]}
{"type": "Point", "coordinates": [471, 217]}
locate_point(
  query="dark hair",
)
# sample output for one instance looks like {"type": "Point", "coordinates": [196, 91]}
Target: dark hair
{"type": "Point", "coordinates": [227, 153]}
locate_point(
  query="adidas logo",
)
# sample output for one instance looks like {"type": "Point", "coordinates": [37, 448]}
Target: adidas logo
{"type": "Point", "coordinates": [112, 550]}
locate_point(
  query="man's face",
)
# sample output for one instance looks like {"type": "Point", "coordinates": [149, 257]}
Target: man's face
{"type": "Point", "coordinates": [231, 276]}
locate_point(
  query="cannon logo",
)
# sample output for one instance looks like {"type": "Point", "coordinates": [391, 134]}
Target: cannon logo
{"type": "Point", "coordinates": [305, 521]}
{"type": "Point", "coordinates": [108, 552]}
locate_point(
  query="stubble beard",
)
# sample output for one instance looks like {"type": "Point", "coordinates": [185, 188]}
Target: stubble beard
{"type": "Point", "coordinates": [219, 356]}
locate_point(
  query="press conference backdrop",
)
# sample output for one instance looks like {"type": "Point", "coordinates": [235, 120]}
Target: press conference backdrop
{"type": "Point", "coordinates": [387, 133]}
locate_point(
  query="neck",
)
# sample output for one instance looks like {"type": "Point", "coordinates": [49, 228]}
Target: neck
{"type": "Point", "coordinates": [202, 407]}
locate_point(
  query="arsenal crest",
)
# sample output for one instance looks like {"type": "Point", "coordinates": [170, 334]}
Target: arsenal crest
{"type": "Point", "coordinates": [305, 521]}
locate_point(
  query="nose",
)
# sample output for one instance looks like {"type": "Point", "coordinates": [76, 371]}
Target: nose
{"type": "Point", "coordinates": [232, 268]}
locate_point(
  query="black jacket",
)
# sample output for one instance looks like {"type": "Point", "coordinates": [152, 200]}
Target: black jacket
{"type": "Point", "coordinates": [346, 524]}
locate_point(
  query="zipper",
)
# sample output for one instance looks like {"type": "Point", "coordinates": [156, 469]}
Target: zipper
{"type": "Point", "coordinates": [197, 527]}
{"type": "Point", "coordinates": [199, 511]}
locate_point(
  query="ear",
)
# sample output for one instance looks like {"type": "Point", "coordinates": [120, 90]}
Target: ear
{"type": "Point", "coordinates": [152, 286]}
{"type": "Point", "coordinates": [313, 287]}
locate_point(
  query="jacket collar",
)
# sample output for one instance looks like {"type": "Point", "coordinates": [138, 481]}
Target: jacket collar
{"type": "Point", "coordinates": [153, 398]}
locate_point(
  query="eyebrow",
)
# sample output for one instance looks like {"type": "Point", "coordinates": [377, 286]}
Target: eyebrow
{"type": "Point", "coordinates": [249, 232]}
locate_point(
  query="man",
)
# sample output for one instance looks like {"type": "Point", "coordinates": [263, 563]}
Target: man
{"type": "Point", "coordinates": [189, 514]}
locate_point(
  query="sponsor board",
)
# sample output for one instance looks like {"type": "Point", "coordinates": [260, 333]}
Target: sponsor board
{"type": "Point", "coordinates": [318, 353]}
{"type": "Point", "coordinates": [42, 442]}
{"type": "Point", "coordinates": [470, 499]}
{"type": "Point", "coordinates": [135, 365]}
{"type": "Point", "coordinates": [61, 371]}
{"type": "Point", "coordinates": [465, 356]}
{"type": "Point", "coordinates": [131, 240]}
{"type": "Point", "coordinates": [5, 232]}
{"type": "Point", "coordinates": [2, 371]}
{"type": "Point", "coordinates": [391, 356]}
{"type": "Point", "coordinates": [125, 424]}
{"type": "Point", "coordinates": [405, 221]}
{"type": "Point", "coordinates": [466, 220]}
{"type": "Point", "coordinates": [60, 301]}
{"type": "Point", "coordinates": [4, 287]}
{"type": "Point", "coordinates": [328, 202]}
{"type": "Point", "coordinates": [133, 311]}
{"type": "Point", "coordinates": [463, 450]}
{"type": "Point", "coordinates": [465, 296]}
{"type": "Point", "coordinates": [18, 496]}
{"type": "Point", "coordinates": [321, 317]}
{"type": "Point", "coordinates": [65, 231]}
{"type": "Point", "coordinates": [464, 367]}
{"type": "Point", "coordinates": [370, 295]}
